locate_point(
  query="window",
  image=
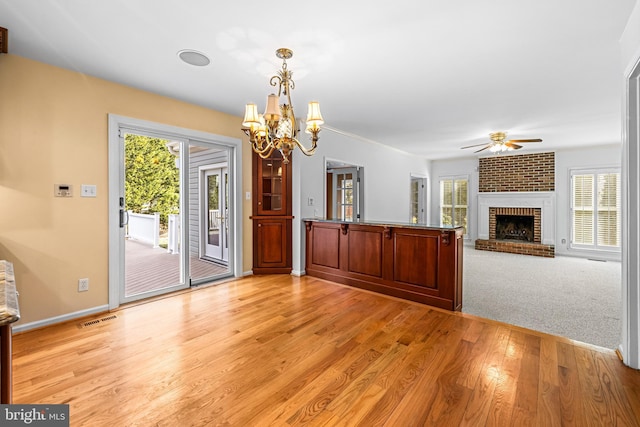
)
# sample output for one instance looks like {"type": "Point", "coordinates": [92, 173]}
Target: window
{"type": "Point", "coordinates": [453, 202]}
{"type": "Point", "coordinates": [596, 209]}
{"type": "Point", "coordinates": [344, 196]}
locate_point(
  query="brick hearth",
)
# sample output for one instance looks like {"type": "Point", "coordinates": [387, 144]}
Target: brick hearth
{"type": "Point", "coordinates": [522, 248]}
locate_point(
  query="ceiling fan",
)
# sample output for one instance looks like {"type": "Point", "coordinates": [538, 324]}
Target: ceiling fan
{"type": "Point", "coordinates": [498, 143]}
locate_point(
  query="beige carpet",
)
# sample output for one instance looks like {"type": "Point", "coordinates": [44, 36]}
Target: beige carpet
{"type": "Point", "coordinates": [573, 297]}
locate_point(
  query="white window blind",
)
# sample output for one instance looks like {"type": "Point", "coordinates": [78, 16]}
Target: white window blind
{"type": "Point", "coordinates": [596, 206]}
{"type": "Point", "coordinates": [583, 209]}
{"type": "Point", "coordinates": [454, 202]}
{"type": "Point", "coordinates": [608, 214]}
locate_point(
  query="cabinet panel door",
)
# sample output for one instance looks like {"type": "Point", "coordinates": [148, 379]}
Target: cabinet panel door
{"type": "Point", "coordinates": [408, 248]}
{"type": "Point", "coordinates": [326, 247]}
{"type": "Point", "coordinates": [365, 252]}
{"type": "Point", "coordinates": [272, 237]}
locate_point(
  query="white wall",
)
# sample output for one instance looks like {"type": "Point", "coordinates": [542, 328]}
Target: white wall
{"type": "Point", "coordinates": [387, 180]}
{"type": "Point", "coordinates": [587, 157]}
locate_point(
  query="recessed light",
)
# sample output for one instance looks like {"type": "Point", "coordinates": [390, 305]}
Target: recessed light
{"type": "Point", "coordinates": [193, 57]}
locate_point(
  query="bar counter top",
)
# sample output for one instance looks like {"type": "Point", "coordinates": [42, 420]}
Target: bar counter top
{"type": "Point", "coordinates": [385, 224]}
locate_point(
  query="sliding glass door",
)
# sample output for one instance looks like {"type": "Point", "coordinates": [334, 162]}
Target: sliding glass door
{"type": "Point", "coordinates": [172, 223]}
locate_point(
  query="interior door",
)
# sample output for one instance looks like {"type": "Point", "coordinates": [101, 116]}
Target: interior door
{"type": "Point", "coordinates": [418, 211]}
{"type": "Point", "coordinates": [346, 192]}
{"type": "Point", "coordinates": [215, 223]}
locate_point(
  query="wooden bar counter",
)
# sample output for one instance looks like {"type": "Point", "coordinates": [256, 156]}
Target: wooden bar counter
{"type": "Point", "coordinates": [409, 261]}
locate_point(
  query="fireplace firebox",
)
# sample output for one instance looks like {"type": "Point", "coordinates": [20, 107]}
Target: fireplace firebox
{"type": "Point", "coordinates": [514, 227]}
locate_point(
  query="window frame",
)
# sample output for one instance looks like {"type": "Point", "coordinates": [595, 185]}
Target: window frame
{"type": "Point", "coordinates": [453, 179]}
{"type": "Point", "coordinates": [596, 246]}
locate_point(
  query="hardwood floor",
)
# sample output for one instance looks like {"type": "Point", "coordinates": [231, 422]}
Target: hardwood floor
{"type": "Point", "coordinates": [281, 350]}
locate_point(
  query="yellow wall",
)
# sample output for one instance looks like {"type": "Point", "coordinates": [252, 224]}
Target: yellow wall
{"type": "Point", "coordinates": [53, 129]}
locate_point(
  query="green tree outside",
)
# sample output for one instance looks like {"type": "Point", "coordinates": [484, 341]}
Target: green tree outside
{"type": "Point", "coordinates": [152, 181]}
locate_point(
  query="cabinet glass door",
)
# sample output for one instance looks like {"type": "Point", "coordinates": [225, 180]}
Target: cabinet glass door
{"type": "Point", "coordinates": [272, 185]}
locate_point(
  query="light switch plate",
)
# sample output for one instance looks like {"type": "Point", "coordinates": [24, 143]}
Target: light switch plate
{"type": "Point", "coordinates": [88, 190]}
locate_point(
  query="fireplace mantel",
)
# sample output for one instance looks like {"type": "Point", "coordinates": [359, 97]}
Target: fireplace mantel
{"type": "Point", "coordinates": [544, 200]}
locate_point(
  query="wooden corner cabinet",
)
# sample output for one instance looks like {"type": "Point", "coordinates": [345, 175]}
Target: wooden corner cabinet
{"type": "Point", "coordinates": [272, 215]}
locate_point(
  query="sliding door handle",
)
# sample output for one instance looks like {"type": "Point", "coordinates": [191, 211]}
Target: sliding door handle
{"type": "Point", "coordinates": [124, 218]}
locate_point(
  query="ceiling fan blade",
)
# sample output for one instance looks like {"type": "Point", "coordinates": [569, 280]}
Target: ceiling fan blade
{"type": "Point", "coordinates": [525, 140]}
{"type": "Point", "coordinates": [482, 149]}
{"type": "Point", "coordinates": [470, 146]}
{"type": "Point", "coordinates": [512, 145]}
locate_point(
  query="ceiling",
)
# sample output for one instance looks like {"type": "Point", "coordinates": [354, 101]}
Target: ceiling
{"type": "Point", "coordinates": [426, 77]}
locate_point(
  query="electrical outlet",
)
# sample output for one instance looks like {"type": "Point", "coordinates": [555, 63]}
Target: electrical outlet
{"type": "Point", "coordinates": [83, 285]}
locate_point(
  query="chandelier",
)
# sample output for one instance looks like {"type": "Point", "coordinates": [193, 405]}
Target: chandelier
{"type": "Point", "coordinates": [277, 128]}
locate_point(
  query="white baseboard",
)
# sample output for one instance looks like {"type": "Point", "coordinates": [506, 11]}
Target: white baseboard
{"type": "Point", "coordinates": [248, 273]}
{"type": "Point", "coordinates": [60, 319]}
{"type": "Point", "coordinates": [298, 273]}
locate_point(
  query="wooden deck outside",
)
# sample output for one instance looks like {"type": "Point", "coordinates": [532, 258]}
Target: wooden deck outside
{"type": "Point", "coordinates": [149, 269]}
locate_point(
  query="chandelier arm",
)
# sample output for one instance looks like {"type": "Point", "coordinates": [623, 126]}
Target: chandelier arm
{"type": "Point", "coordinates": [259, 148]}
{"type": "Point", "coordinates": [265, 154]}
{"type": "Point", "coordinates": [276, 81]}
{"type": "Point", "coordinates": [314, 144]}
{"type": "Point", "coordinates": [258, 144]}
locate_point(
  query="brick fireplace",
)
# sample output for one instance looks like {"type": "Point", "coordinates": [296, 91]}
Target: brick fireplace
{"type": "Point", "coordinates": [516, 204]}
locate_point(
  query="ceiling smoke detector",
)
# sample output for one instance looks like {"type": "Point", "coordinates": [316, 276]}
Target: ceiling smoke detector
{"type": "Point", "coordinates": [193, 57]}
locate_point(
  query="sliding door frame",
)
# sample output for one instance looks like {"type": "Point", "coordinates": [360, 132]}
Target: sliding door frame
{"type": "Point", "coordinates": [187, 136]}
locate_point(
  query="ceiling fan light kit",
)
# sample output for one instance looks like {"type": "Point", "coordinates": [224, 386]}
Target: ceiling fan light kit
{"type": "Point", "coordinates": [499, 145]}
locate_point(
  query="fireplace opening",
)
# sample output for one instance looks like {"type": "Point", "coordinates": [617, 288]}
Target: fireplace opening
{"type": "Point", "coordinates": [514, 227]}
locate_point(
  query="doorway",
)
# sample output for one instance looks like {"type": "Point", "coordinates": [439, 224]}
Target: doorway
{"type": "Point", "coordinates": [160, 240]}
{"type": "Point", "coordinates": [344, 184]}
{"type": "Point", "coordinates": [418, 202]}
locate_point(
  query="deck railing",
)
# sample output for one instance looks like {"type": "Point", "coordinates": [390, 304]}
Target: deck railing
{"type": "Point", "coordinates": [144, 227]}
